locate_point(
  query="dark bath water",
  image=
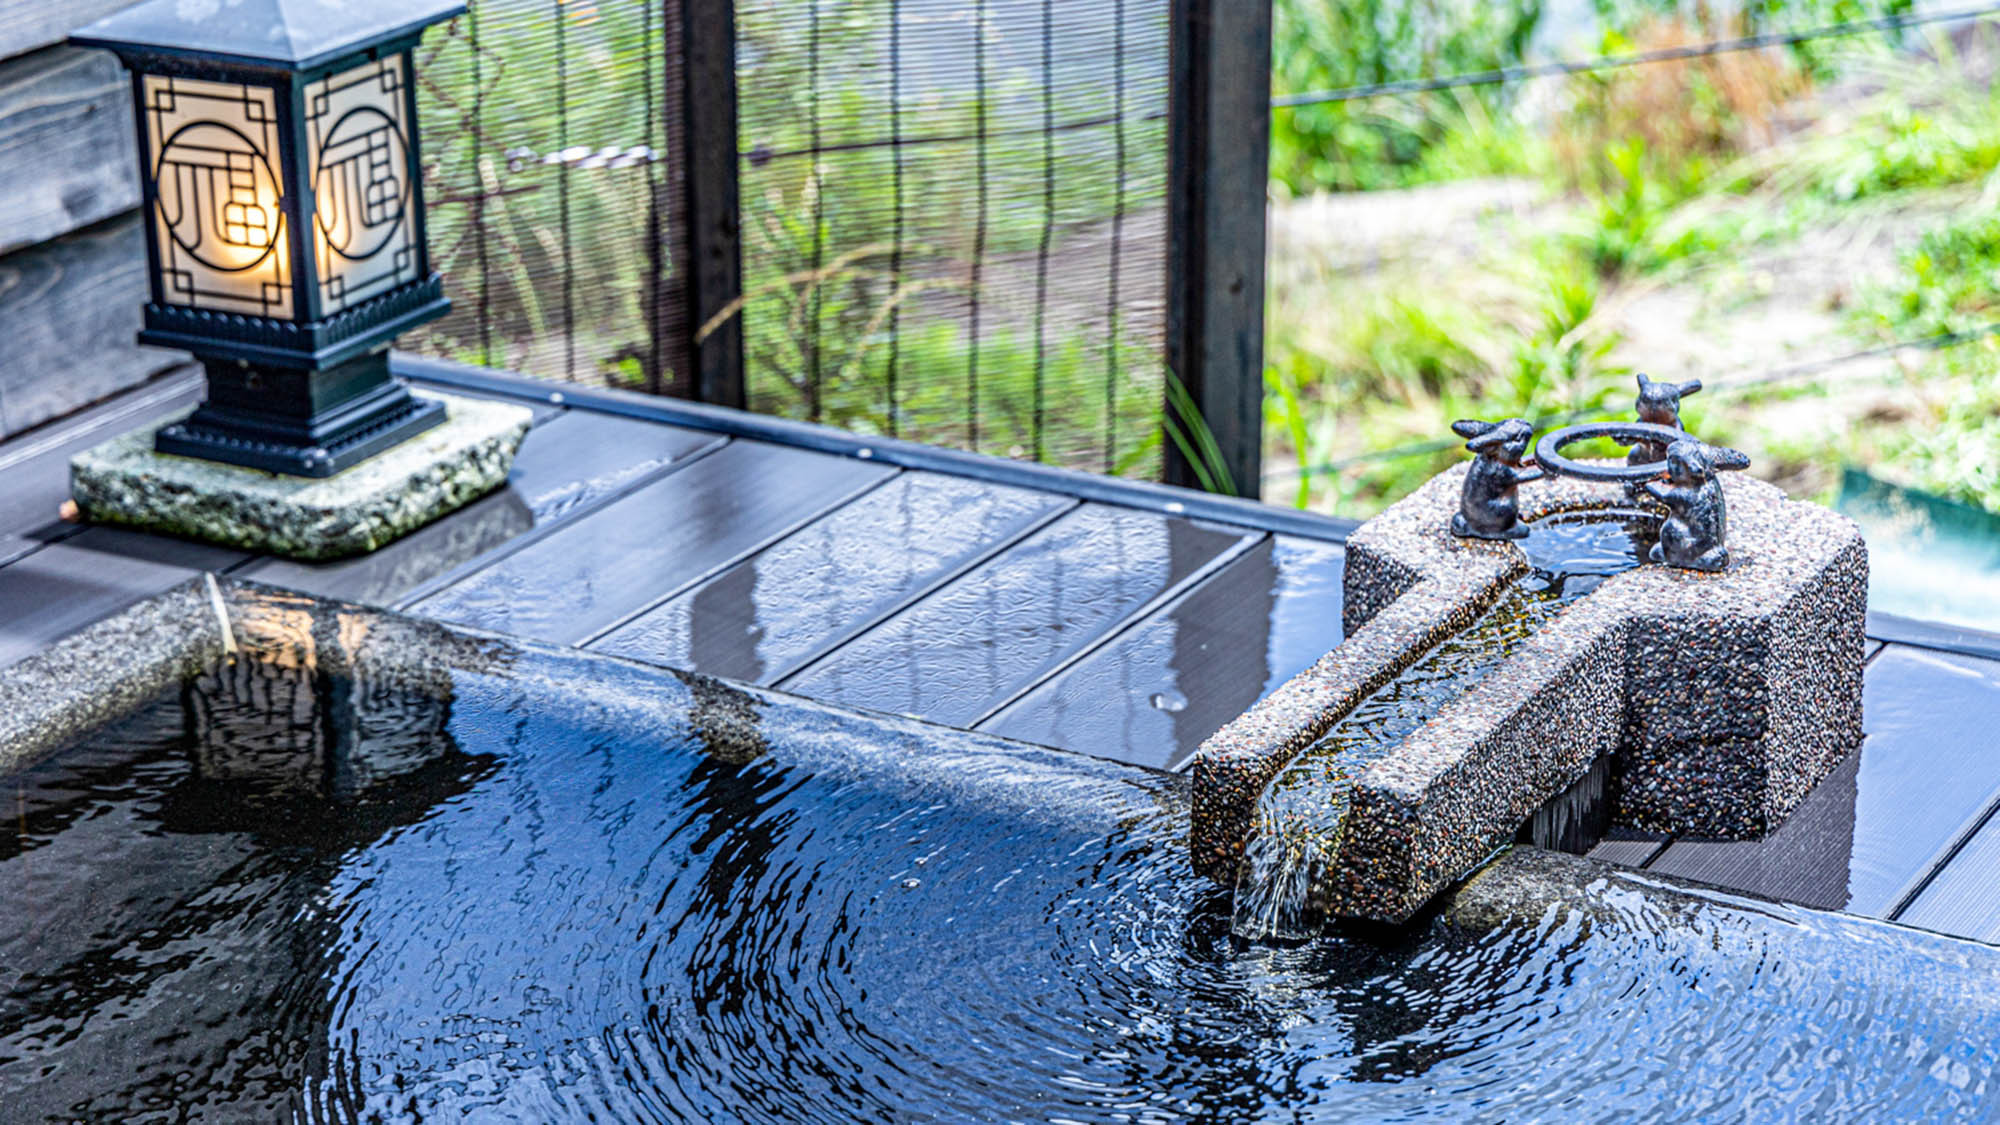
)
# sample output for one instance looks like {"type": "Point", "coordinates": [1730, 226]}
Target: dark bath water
{"type": "Point", "coordinates": [520, 906]}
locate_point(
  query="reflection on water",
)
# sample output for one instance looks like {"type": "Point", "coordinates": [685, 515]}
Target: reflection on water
{"type": "Point", "coordinates": [1299, 817]}
{"type": "Point", "coordinates": [557, 915]}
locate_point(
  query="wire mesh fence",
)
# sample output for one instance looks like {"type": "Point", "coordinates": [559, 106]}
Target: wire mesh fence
{"type": "Point", "coordinates": [951, 214]}
{"type": "Point", "coordinates": [953, 221]}
{"type": "Point", "coordinates": [552, 203]}
{"type": "Point", "coordinates": [954, 216]}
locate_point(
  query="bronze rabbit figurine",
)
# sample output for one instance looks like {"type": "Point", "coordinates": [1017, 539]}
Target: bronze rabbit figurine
{"type": "Point", "coordinates": [1660, 404]}
{"type": "Point", "coordinates": [1695, 533]}
{"type": "Point", "coordinates": [1489, 508]}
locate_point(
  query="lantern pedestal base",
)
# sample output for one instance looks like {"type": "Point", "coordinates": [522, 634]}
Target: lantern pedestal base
{"type": "Point", "coordinates": [320, 448]}
{"type": "Point", "coordinates": [126, 481]}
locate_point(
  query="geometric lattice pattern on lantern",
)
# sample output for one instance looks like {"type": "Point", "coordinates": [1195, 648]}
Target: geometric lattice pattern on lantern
{"type": "Point", "coordinates": [220, 232]}
{"type": "Point", "coordinates": [357, 153]}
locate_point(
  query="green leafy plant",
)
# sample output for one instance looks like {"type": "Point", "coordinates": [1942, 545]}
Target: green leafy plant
{"type": "Point", "coordinates": [1323, 44]}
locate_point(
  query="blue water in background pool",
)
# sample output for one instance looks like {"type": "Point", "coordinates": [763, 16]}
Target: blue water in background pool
{"type": "Point", "coordinates": [559, 916]}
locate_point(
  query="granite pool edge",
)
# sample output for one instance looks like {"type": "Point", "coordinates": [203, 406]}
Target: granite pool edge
{"type": "Point", "coordinates": [110, 669]}
{"type": "Point", "coordinates": [105, 671]}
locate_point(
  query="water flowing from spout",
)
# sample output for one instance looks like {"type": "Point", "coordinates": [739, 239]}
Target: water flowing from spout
{"type": "Point", "coordinates": [1282, 864]}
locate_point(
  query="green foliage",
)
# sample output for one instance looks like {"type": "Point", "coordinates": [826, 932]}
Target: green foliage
{"type": "Point", "coordinates": [1949, 283]}
{"type": "Point", "coordinates": [1196, 443]}
{"type": "Point", "coordinates": [1948, 447]}
{"type": "Point", "coordinates": [1754, 16]}
{"type": "Point", "coordinates": [1359, 400]}
{"type": "Point", "coordinates": [1896, 146]}
{"type": "Point", "coordinates": [1381, 142]}
{"type": "Point", "coordinates": [1627, 216]}
{"type": "Point", "coordinates": [1663, 175]}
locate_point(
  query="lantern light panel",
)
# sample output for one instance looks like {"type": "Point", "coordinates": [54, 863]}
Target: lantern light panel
{"type": "Point", "coordinates": [285, 227]}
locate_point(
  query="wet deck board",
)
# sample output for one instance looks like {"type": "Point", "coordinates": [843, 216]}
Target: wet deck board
{"type": "Point", "coordinates": [600, 570]}
{"type": "Point", "coordinates": [1151, 694]}
{"type": "Point", "coordinates": [967, 649]}
{"type": "Point", "coordinates": [52, 592]}
{"type": "Point", "coordinates": [1627, 853]}
{"type": "Point", "coordinates": [774, 612]}
{"type": "Point", "coordinates": [1870, 833]}
{"type": "Point", "coordinates": [13, 547]}
{"type": "Point", "coordinates": [569, 465]}
{"type": "Point", "coordinates": [35, 466]}
{"type": "Point", "coordinates": [1960, 898]}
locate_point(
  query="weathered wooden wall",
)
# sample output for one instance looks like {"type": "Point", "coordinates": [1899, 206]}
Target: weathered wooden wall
{"type": "Point", "coordinates": [65, 144]}
{"type": "Point", "coordinates": [72, 262]}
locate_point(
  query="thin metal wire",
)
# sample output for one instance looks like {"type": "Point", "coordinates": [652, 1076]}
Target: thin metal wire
{"type": "Point", "coordinates": [979, 234]}
{"type": "Point", "coordinates": [1721, 385]}
{"type": "Point", "coordinates": [765, 156]}
{"type": "Point", "coordinates": [1111, 321]}
{"type": "Point", "coordinates": [896, 191]}
{"type": "Point", "coordinates": [1048, 221]}
{"type": "Point", "coordinates": [1506, 74]}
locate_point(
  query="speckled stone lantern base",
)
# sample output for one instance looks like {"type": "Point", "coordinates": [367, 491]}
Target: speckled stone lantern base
{"type": "Point", "coordinates": [125, 481]}
{"type": "Point", "coordinates": [1724, 697]}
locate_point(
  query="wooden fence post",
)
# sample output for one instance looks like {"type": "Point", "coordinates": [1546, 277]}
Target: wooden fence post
{"type": "Point", "coordinates": [706, 149]}
{"type": "Point", "coordinates": [1218, 157]}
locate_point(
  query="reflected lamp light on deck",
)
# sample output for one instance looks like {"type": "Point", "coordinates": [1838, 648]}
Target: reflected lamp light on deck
{"type": "Point", "coordinates": [284, 211]}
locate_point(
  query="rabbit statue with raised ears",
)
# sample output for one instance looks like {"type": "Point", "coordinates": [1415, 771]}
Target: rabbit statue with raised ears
{"type": "Point", "coordinates": [1696, 531]}
{"type": "Point", "coordinates": [1489, 507]}
{"type": "Point", "coordinates": [1660, 404]}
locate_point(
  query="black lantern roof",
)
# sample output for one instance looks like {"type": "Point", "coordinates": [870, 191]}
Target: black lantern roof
{"type": "Point", "coordinates": [292, 35]}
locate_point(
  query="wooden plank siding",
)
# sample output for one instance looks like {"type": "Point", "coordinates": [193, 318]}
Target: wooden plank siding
{"type": "Point", "coordinates": [66, 148]}
{"type": "Point", "coordinates": [72, 251]}
{"type": "Point", "coordinates": [69, 316]}
{"type": "Point", "coordinates": [26, 25]}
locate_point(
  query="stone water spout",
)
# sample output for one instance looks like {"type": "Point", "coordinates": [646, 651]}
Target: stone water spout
{"type": "Point", "coordinates": [1719, 687]}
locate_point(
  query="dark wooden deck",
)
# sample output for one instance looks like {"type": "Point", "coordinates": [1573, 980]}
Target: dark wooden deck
{"type": "Point", "coordinates": [1123, 620]}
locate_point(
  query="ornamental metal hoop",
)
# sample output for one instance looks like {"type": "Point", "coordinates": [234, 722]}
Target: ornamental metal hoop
{"type": "Point", "coordinates": [1548, 450]}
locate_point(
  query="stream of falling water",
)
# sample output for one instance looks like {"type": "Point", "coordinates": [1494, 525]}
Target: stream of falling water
{"type": "Point", "coordinates": [1299, 816]}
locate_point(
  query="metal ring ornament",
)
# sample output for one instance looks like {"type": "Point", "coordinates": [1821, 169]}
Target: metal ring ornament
{"type": "Point", "coordinates": [1548, 450]}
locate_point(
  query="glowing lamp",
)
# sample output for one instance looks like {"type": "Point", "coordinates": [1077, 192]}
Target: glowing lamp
{"type": "Point", "coordinates": [284, 218]}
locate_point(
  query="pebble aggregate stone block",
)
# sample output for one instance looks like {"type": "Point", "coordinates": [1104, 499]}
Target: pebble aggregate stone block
{"type": "Point", "coordinates": [104, 672]}
{"type": "Point", "coordinates": [125, 481]}
{"type": "Point", "coordinates": [1724, 696]}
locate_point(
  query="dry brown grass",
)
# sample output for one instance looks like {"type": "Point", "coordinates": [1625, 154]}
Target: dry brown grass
{"type": "Point", "coordinates": [1716, 106]}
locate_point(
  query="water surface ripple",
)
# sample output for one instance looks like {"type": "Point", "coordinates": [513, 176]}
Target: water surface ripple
{"type": "Point", "coordinates": [553, 919]}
